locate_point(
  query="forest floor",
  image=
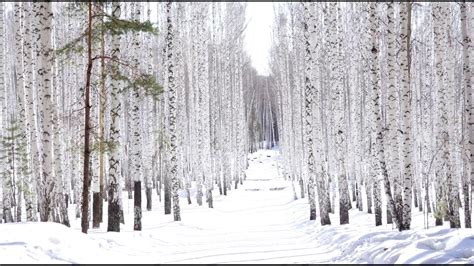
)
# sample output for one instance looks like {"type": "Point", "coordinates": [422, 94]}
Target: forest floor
{"type": "Point", "coordinates": [260, 222]}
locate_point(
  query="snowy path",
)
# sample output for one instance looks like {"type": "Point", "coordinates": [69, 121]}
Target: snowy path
{"type": "Point", "coordinates": [254, 224]}
{"type": "Point", "coordinates": [257, 223]}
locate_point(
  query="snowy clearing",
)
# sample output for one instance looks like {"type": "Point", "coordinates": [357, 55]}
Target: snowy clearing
{"type": "Point", "coordinates": [253, 224]}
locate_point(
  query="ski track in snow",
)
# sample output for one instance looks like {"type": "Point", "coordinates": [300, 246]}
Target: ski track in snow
{"type": "Point", "coordinates": [257, 223]}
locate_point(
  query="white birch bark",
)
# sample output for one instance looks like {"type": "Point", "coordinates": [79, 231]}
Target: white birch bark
{"type": "Point", "coordinates": [172, 104]}
{"type": "Point", "coordinates": [30, 183]}
{"type": "Point", "coordinates": [406, 129]}
{"type": "Point", "coordinates": [392, 106]}
{"type": "Point", "coordinates": [114, 187]}
{"type": "Point", "coordinates": [44, 14]}
{"type": "Point", "coordinates": [378, 158]}
{"type": "Point", "coordinates": [19, 87]}
{"type": "Point", "coordinates": [136, 127]}
{"type": "Point", "coordinates": [308, 100]}
{"type": "Point", "coordinates": [468, 129]}
{"type": "Point", "coordinates": [441, 14]}
{"type": "Point", "coordinates": [338, 101]}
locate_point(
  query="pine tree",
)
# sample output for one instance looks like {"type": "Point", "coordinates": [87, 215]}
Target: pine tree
{"type": "Point", "coordinates": [136, 81]}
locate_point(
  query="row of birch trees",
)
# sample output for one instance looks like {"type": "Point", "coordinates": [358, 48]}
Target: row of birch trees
{"type": "Point", "coordinates": [103, 98]}
{"type": "Point", "coordinates": [375, 108]}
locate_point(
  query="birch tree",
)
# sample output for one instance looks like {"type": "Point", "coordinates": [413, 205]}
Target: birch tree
{"type": "Point", "coordinates": [338, 101]}
{"type": "Point", "coordinates": [309, 92]}
{"type": "Point", "coordinates": [441, 15]}
{"type": "Point", "coordinates": [115, 109]}
{"type": "Point", "coordinates": [44, 17]}
{"type": "Point", "coordinates": [407, 143]}
{"type": "Point", "coordinates": [136, 138]}
{"type": "Point", "coordinates": [170, 50]}
{"type": "Point", "coordinates": [30, 182]}
{"type": "Point", "coordinates": [392, 136]}
{"type": "Point", "coordinates": [468, 129]}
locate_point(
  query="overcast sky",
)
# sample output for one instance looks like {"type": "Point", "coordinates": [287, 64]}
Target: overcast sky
{"type": "Point", "coordinates": [258, 34]}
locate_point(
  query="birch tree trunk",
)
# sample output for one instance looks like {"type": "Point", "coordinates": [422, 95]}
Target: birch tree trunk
{"type": "Point", "coordinates": [6, 183]}
{"type": "Point", "coordinates": [441, 13]}
{"type": "Point", "coordinates": [407, 143]}
{"type": "Point", "coordinates": [113, 223]}
{"type": "Point", "coordinates": [136, 137]}
{"type": "Point", "coordinates": [392, 136]}
{"type": "Point", "coordinates": [379, 164]}
{"type": "Point", "coordinates": [339, 102]}
{"type": "Point", "coordinates": [468, 129]}
{"type": "Point", "coordinates": [308, 107]}
{"type": "Point", "coordinates": [19, 86]}
{"type": "Point", "coordinates": [30, 182]}
{"type": "Point", "coordinates": [44, 14]}
{"type": "Point", "coordinates": [172, 104]}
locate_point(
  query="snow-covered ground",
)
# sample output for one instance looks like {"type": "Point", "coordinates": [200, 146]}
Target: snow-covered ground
{"type": "Point", "coordinates": [258, 223]}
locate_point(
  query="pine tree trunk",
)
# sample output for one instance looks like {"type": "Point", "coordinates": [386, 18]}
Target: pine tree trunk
{"type": "Point", "coordinates": [96, 199]}
{"type": "Point", "coordinates": [87, 130]}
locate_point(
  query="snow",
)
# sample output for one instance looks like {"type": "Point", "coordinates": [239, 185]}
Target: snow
{"type": "Point", "coordinates": [257, 223]}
